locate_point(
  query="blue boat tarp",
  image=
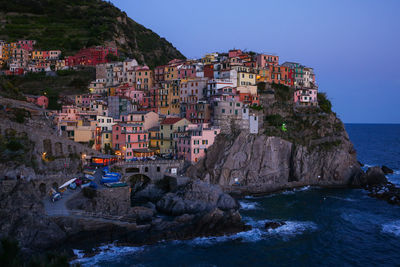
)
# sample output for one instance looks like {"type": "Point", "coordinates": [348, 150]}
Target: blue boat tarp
{"type": "Point", "coordinates": [93, 185]}
{"type": "Point", "coordinates": [112, 174]}
{"type": "Point", "coordinates": [106, 180]}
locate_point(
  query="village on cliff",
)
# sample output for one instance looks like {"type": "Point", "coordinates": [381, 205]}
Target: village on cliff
{"type": "Point", "coordinates": [175, 111]}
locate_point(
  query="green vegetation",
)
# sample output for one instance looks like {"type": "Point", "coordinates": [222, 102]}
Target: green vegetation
{"type": "Point", "coordinates": [69, 25]}
{"type": "Point", "coordinates": [324, 103]}
{"type": "Point", "coordinates": [66, 82]}
{"type": "Point", "coordinates": [256, 107]}
{"type": "Point", "coordinates": [15, 147]}
{"type": "Point", "coordinates": [282, 92]}
{"type": "Point", "coordinates": [275, 120]}
{"type": "Point", "coordinates": [19, 115]}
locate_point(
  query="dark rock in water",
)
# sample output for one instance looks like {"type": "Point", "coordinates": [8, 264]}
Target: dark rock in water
{"type": "Point", "coordinates": [362, 165]}
{"type": "Point", "coordinates": [273, 225]}
{"type": "Point", "coordinates": [375, 176]}
{"type": "Point", "coordinates": [386, 170]}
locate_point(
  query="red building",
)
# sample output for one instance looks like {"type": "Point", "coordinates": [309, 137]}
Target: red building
{"type": "Point", "coordinates": [26, 44]}
{"type": "Point", "coordinates": [209, 71]}
{"type": "Point", "coordinates": [91, 56]}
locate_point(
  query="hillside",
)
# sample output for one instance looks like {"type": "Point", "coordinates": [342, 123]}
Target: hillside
{"type": "Point", "coordinates": [69, 25]}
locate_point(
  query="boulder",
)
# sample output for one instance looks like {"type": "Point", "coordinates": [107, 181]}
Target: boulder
{"type": "Point", "coordinates": [375, 176]}
{"type": "Point", "coordinates": [274, 225]}
{"type": "Point", "coordinates": [386, 170]}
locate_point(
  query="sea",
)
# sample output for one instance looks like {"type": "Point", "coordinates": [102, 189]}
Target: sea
{"type": "Point", "coordinates": [324, 227]}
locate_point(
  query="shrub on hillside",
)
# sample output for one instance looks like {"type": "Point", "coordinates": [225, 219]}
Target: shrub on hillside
{"type": "Point", "coordinates": [324, 103]}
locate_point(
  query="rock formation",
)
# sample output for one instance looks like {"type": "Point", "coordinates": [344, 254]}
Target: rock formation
{"type": "Point", "coordinates": [315, 150]}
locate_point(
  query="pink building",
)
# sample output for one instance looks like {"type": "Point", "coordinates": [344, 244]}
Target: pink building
{"type": "Point", "coordinates": [137, 96]}
{"type": "Point", "coordinates": [199, 112]}
{"type": "Point", "coordinates": [264, 60]}
{"type": "Point", "coordinates": [193, 144]}
{"type": "Point", "coordinates": [186, 71]}
{"type": "Point", "coordinates": [306, 97]}
{"type": "Point", "coordinates": [41, 101]}
{"type": "Point", "coordinates": [235, 53]}
{"type": "Point", "coordinates": [128, 137]}
{"type": "Point", "coordinates": [26, 44]}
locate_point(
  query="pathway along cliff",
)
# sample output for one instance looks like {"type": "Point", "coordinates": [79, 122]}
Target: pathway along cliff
{"type": "Point", "coordinates": [314, 150]}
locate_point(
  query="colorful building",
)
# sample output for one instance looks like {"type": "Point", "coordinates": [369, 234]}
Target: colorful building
{"type": "Point", "coordinates": [193, 143]}
{"type": "Point", "coordinates": [128, 138]}
{"type": "Point", "coordinates": [91, 56]}
{"type": "Point", "coordinates": [266, 60]}
{"type": "Point", "coordinates": [168, 128]}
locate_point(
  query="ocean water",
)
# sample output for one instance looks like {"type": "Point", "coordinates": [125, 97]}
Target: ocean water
{"type": "Point", "coordinates": [324, 227]}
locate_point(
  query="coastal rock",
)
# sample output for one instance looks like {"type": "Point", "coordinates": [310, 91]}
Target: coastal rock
{"type": "Point", "coordinates": [386, 170]}
{"type": "Point", "coordinates": [375, 176]}
{"type": "Point", "coordinates": [262, 164]}
{"type": "Point", "coordinates": [273, 225]}
{"type": "Point", "coordinates": [22, 217]}
{"type": "Point", "coordinates": [196, 197]}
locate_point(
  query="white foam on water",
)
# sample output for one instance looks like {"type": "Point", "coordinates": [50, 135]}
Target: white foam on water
{"type": "Point", "coordinates": [258, 232]}
{"type": "Point", "coordinates": [343, 198]}
{"type": "Point", "coordinates": [392, 228]}
{"type": "Point", "coordinates": [78, 253]}
{"type": "Point", "coordinates": [247, 205]}
{"type": "Point", "coordinates": [293, 228]}
{"type": "Point", "coordinates": [107, 253]}
{"type": "Point", "coordinates": [304, 188]}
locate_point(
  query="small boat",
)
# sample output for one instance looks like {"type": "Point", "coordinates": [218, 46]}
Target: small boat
{"type": "Point", "coordinates": [116, 184]}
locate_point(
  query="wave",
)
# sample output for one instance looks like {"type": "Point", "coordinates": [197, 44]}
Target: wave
{"type": "Point", "coordinates": [107, 253]}
{"type": "Point", "coordinates": [343, 198]}
{"type": "Point", "coordinates": [287, 231]}
{"type": "Point", "coordinates": [392, 228]}
{"type": "Point", "coordinates": [246, 205]}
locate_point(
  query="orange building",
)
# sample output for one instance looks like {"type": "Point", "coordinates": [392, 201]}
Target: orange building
{"type": "Point", "coordinates": [144, 78]}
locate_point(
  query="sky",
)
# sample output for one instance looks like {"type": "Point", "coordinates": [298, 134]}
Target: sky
{"type": "Point", "coordinates": [353, 45]}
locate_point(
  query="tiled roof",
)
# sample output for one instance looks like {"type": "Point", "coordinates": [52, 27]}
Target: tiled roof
{"type": "Point", "coordinates": [171, 120]}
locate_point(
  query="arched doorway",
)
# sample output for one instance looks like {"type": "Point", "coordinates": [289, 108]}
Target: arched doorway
{"type": "Point", "coordinates": [137, 183]}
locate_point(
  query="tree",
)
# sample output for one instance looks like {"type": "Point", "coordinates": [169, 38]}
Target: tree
{"type": "Point", "coordinates": [324, 103]}
{"type": "Point", "coordinates": [111, 57]}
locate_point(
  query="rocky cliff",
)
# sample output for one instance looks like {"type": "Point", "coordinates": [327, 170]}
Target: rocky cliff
{"type": "Point", "coordinates": [314, 150]}
{"type": "Point", "coordinates": [159, 212]}
{"type": "Point", "coordinates": [26, 133]}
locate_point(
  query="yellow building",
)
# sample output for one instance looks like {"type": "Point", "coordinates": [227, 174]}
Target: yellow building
{"type": "Point", "coordinates": [169, 96]}
{"type": "Point", "coordinates": [144, 78]}
{"type": "Point", "coordinates": [154, 137]}
{"type": "Point", "coordinates": [7, 51]}
{"type": "Point", "coordinates": [168, 128]}
{"type": "Point", "coordinates": [85, 131]}
{"type": "Point", "coordinates": [209, 58]}
{"type": "Point", "coordinates": [37, 55]}
{"type": "Point", "coordinates": [263, 75]}
{"type": "Point", "coordinates": [170, 73]}
{"type": "Point", "coordinates": [106, 138]}
{"type": "Point", "coordinates": [245, 75]}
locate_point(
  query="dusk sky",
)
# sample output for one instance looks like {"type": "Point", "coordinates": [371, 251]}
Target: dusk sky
{"type": "Point", "coordinates": [353, 46]}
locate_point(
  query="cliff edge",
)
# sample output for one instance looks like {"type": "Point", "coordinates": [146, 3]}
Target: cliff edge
{"type": "Point", "coordinates": [312, 148]}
